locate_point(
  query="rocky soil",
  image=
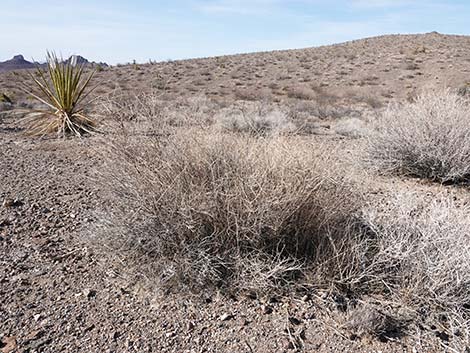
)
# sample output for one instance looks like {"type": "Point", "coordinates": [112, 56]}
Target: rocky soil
{"type": "Point", "coordinates": [59, 295]}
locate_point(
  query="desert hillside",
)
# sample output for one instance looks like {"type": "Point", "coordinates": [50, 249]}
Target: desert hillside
{"type": "Point", "coordinates": [373, 70]}
{"type": "Point", "coordinates": [265, 202]}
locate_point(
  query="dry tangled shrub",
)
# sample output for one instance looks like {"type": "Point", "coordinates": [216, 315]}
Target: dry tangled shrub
{"type": "Point", "coordinates": [255, 119]}
{"type": "Point", "coordinates": [422, 249]}
{"type": "Point", "coordinates": [150, 113]}
{"type": "Point", "coordinates": [419, 255]}
{"type": "Point", "coordinates": [351, 127]}
{"type": "Point", "coordinates": [428, 138]}
{"type": "Point", "coordinates": [203, 208]}
{"type": "Point", "coordinates": [208, 209]}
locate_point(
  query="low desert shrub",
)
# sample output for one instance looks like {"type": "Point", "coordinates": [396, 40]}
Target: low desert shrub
{"type": "Point", "coordinates": [204, 209]}
{"type": "Point", "coordinates": [422, 249]}
{"type": "Point", "coordinates": [216, 210]}
{"type": "Point", "coordinates": [251, 94]}
{"type": "Point", "coordinates": [255, 119]}
{"type": "Point", "coordinates": [419, 255]}
{"type": "Point", "coordinates": [351, 127]}
{"type": "Point", "coordinates": [149, 113]}
{"type": "Point", "coordinates": [302, 93]}
{"type": "Point", "coordinates": [427, 138]}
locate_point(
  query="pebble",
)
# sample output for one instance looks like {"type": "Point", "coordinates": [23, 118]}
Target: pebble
{"type": "Point", "coordinates": [267, 309]}
{"type": "Point", "coordinates": [294, 321]}
{"type": "Point", "coordinates": [225, 317]}
{"type": "Point", "coordinates": [8, 202]}
{"type": "Point", "coordinates": [170, 334]}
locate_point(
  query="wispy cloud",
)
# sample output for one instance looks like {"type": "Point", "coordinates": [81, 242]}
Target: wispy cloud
{"type": "Point", "coordinates": [381, 3]}
{"type": "Point", "coordinates": [238, 6]}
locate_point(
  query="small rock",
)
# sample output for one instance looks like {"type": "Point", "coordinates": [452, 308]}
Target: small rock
{"type": "Point", "coordinates": [7, 202]}
{"type": "Point", "coordinates": [190, 325]}
{"type": "Point", "coordinates": [9, 344]}
{"type": "Point", "coordinates": [294, 321]}
{"type": "Point", "coordinates": [225, 317]}
{"type": "Point", "coordinates": [267, 309]}
{"type": "Point", "coordinates": [89, 293]}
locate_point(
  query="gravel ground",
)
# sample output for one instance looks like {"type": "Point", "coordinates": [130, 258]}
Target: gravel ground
{"type": "Point", "coordinates": [58, 295]}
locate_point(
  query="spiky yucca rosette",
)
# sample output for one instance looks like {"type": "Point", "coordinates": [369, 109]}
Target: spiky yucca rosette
{"type": "Point", "coordinates": [62, 89]}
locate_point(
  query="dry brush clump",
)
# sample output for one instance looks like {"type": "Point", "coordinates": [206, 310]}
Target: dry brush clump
{"type": "Point", "coordinates": [203, 208]}
{"type": "Point", "coordinates": [428, 138]}
{"type": "Point", "coordinates": [419, 255]}
{"type": "Point", "coordinates": [149, 112]}
{"type": "Point", "coordinates": [209, 209]}
{"type": "Point", "coordinates": [258, 119]}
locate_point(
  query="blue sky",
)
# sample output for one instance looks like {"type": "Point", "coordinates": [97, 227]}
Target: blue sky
{"type": "Point", "coordinates": [120, 31]}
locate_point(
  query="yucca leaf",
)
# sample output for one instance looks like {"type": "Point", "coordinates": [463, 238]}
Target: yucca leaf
{"type": "Point", "coordinates": [63, 90]}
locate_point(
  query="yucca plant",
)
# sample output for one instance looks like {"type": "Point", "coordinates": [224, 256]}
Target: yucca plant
{"type": "Point", "coordinates": [62, 88]}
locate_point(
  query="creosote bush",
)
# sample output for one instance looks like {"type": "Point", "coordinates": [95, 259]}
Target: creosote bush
{"type": "Point", "coordinates": [428, 138]}
{"type": "Point", "coordinates": [209, 209]}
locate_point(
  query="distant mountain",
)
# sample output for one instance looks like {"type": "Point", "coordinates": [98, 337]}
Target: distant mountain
{"type": "Point", "coordinates": [18, 62]}
{"type": "Point", "coordinates": [82, 60]}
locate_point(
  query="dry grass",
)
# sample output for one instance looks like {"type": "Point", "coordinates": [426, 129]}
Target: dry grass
{"type": "Point", "coordinates": [428, 138]}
